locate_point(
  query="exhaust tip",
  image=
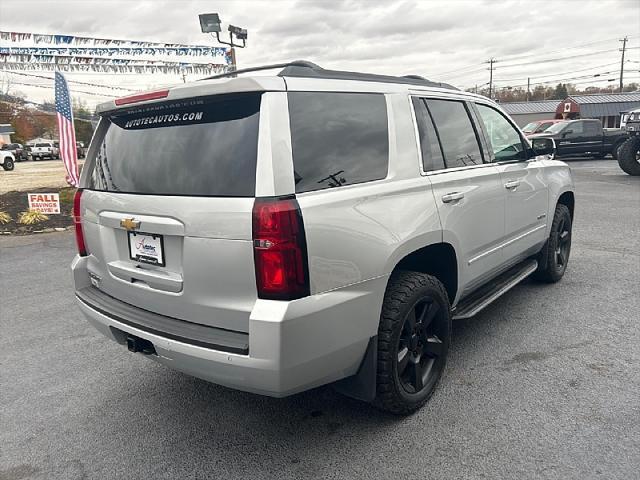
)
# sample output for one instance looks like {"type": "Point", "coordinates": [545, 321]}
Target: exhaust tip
{"type": "Point", "coordinates": [140, 345]}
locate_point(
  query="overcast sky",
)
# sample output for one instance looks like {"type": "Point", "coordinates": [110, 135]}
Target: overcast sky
{"type": "Point", "coordinates": [429, 38]}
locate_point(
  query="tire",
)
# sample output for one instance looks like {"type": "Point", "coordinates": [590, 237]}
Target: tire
{"type": "Point", "coordinates": [554, 256]}
{"type": "Point", "coordinates": [8, 164]}
{"type": "Point", "coordinates": [413, 341]}
{"type": "Point", "coordinates": [615, 151]}
{"type": "Point", "coordinates": [629, 156]}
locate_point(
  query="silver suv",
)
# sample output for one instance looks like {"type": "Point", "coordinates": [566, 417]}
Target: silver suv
{"type": "Point", "coordinates": [277, 233]}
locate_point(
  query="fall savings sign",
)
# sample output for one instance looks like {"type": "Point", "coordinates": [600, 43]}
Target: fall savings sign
{"type": "Point", "coordinates": [44, 202]}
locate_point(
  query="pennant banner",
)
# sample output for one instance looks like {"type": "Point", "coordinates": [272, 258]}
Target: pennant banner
{"type": "Point", "coordinates": [72, 40]}
{"type": "Point", "coordinates": [60, 59]}
{"type": "Point", "coordinates": [175, 68]}
{"type": "Point", "coordinates": [123, 51]}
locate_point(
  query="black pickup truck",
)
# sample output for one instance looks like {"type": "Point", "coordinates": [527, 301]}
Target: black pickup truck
{"type": "Point", "coordinates": [580, 137]}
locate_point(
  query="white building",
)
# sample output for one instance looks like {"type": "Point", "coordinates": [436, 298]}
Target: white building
{"type": "Point", "coordinates": [6, 131]}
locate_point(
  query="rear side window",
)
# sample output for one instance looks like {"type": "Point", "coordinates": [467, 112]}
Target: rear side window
{"type": "Point", "coordinates": [338, 139]}
{"type": "Point", "coordinates": [196, 147]}
{"type": "Point", "coordinates": [432, 158]}
{"type": "Point", "coordinates": [592, 128]}
{"type": "Point", "coordinates": [456, 133]}
{"type": "Point", "coordinates": [577, 128]}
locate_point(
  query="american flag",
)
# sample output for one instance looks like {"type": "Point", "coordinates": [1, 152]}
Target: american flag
{"type": "Point", "coordinates": [66, 131]}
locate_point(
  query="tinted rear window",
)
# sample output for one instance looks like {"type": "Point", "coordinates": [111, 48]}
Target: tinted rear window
{"type": "Point", "coordinates": [196, 147]}
{"type": "Point", "coordinates": [456, 133]}
{"type": "Point", "coordinates": [338, 138]}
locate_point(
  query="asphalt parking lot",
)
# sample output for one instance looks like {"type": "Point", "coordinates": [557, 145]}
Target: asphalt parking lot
{"type": "Point", "coordinates": [545, 383]}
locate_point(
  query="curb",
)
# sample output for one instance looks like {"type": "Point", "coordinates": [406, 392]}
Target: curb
{"type": "Point", "coordinates": [45, 230]}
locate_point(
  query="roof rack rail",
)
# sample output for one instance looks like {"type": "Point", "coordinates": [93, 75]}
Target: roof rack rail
{"type": "Point", "coordinates": [233, 73]}
{"type": "Point", "coordinates": [306, 69]}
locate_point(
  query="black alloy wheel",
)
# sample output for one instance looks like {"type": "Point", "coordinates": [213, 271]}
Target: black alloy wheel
{"type": "Point", "coordinates": [562, 243]}
{"type": "Point", "coordinates": [413, 341]}
{"type": "Point", "coordinates": [420, 349]}
{"type": "Point", "coordinates": [553, 258]}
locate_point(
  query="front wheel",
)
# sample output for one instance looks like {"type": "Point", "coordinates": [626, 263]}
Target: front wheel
{"type": "Point", "coordinates": [629, 156]}
{"type": "Point", "coordinates": [554, 256]}
{"type": "Point", "coordinates": [413, 341]}
{"type": "Point", "coordinates": [8, 164]}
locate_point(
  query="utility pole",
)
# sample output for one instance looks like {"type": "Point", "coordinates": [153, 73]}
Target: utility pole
{"type": "Point", "coordinates": [491, 61]}
{"type": "Point", "coordinates": [528, 88]}
{"type": "Point", "coordinates": [624, 47]}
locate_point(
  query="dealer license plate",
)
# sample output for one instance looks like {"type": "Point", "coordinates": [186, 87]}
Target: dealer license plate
{"type": "Point", "coordinates": [146, 248]}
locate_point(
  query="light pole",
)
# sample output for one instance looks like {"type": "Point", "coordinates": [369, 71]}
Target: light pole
{"type": "Point", "coordinates": [210, 23]}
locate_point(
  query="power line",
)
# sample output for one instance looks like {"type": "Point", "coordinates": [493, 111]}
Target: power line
{"type": "Point", "coordinates": [68, 80]}
{"type": "Point", "coordinates": [558, 59]}
{"type": "Point", "coordinates": [554, 74]}
{"type": "Point", "coordinates": [561, 80]}
{"type": "Point", "coordinates": [509, 58]}
{"type": "Point", "coordinates": [533, 54]}
{"type": "Point", "coordinates": [52, 87]}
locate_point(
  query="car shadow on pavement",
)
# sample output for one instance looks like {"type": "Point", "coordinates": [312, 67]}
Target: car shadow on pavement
{"type": "Point", "coordinates": [187, 417]}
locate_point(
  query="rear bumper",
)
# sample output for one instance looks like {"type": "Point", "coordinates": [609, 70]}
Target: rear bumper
{"type": "Point", "coordinates": [292, 346]}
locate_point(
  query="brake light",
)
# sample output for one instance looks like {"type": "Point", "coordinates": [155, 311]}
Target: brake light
{"type": "Point", "coordinates": [141, 97]}
{"type": "Point", "coordinates": [280, 249]}
{"type": "Point", "coordinates": [77, 223]}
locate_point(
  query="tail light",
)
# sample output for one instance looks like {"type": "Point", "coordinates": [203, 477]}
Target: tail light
{"type": "Point", "coordinates": [82, 249]}
{"type": "Point", "coordinates": [280, 249]}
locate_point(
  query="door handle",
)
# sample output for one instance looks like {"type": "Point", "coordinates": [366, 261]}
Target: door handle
{"type": "Point", "coordinates": [452, 197]}
{"type": "Point", "coordinates": [512, 184]}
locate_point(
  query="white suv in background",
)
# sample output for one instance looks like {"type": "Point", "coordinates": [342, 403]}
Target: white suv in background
{"type": "Point", "coordinates": [277, 233]}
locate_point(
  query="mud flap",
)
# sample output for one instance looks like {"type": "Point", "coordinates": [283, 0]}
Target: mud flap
{"type": "Point", "coordinates": [362, 385]}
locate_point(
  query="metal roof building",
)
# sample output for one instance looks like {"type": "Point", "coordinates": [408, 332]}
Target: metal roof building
{"type": "Point", "coordinates": [525, 112]}
{"type": "Point", "coordinates": [606, 107]}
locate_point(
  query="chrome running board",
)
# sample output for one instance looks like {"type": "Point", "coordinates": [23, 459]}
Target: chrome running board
{"type": "Point", "coordinates": [485, 295]}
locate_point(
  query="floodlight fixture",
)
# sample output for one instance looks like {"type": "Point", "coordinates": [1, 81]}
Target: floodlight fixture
{"type": "Point", "coordinates": [210, 23]}
{"type": "Point", "coordinates": [240, 33]}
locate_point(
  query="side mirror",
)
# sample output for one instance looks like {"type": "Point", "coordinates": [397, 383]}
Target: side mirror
{"type": "Point", "coordinates": [567, 132]}
{"type": "Point", "coordinates": [543, 146]}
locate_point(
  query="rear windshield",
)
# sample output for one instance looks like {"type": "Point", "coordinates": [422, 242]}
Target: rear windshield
{"type": "Point", "coordinates": [43, 144]}
{"type": "Point", "coordinates": [196, 147]}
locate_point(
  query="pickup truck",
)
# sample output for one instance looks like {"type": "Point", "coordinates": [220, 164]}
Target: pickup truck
{"type": "Point", "coordinates": [629, 153]}
{"type": "Point", "coordinates": [7, 160]}
{"type": "Point", "coordinates": [16, 149]}
{"type": "Point", "coordinates": [40, 151]}
{"type": "Point", "coordinates": [580, 137]}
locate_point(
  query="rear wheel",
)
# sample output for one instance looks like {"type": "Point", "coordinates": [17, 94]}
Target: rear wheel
{"type": "Point", "coordinates": [413, 341]}
{"type": "Point", "coordinates": [8, 164]}
{"type": "Point", "coordinates": [554, 256]}
{"type": "Point", "coordinates": [629, 156]}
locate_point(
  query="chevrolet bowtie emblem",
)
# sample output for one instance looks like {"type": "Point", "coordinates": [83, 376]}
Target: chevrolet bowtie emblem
{"type": "Point", "coordinates": [129, 224]}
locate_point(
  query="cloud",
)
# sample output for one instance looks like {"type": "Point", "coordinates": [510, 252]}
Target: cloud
{"type": "Point", "coordinates": [387, 36]}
